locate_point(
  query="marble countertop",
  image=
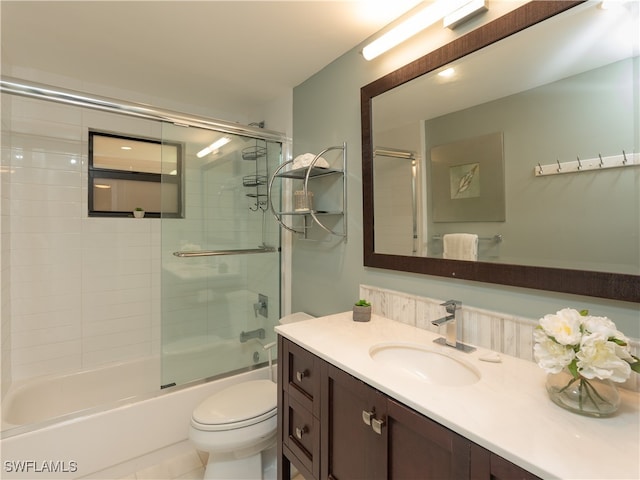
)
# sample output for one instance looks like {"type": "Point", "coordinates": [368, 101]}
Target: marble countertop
{"type": "Point", "coordinates": [508, 411]}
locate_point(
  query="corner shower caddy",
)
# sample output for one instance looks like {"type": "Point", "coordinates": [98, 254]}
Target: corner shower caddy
{"type": "Point", "coordinates": [305, 174]}
{"type": "Point", "coordinates": [256, 180]}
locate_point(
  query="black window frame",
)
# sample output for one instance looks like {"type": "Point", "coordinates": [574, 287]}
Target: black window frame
{"type": "Point", "coordinates": [97, 173]}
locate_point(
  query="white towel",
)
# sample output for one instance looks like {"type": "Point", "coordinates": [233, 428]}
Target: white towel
{"type": "Point", "coordinates": [304, 160]}
{"type": "Point", "coordinates": [460, 246]}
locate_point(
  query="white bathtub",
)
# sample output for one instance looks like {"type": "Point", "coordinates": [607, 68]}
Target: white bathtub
{"type": "Point", "coordinates": [100, 437]}
{"type": "Point", "coordinates": [43, 398]}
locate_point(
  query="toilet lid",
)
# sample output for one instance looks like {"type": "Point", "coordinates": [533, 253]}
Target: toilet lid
{"type": "Point", "coordinates": [238, 404]}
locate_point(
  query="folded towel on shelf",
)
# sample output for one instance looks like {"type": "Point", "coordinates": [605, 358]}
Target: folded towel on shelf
{"type": "Point", "coordinates": [460, 246]}
{"type": "Point", "coordinates": [304, 160]}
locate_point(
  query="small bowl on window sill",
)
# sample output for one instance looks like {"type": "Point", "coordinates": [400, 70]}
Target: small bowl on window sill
{"type": "Point", "coordinates": [138, 213]}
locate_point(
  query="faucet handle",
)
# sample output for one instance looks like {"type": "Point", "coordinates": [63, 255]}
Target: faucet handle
{"type": "Point", "coordinates": [452, 305]}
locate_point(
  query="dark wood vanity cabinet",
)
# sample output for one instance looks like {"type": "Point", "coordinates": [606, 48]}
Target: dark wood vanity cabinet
{"type": "Point", "coordinates": [367, 435]}
{"type": "Point", "coordinates": [299, 381]}
{"type": "Point", "coordinates": [350, 410]}
{"type": "Point", "coordinates": [352, 431]}
{"type": "Point", "coordinates": [486, 465]}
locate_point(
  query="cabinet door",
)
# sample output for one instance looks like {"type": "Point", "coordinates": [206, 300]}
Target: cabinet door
{"type": "Point", "coordinates": [301, 375]}
{"type": "Point", "coordinates": [486, 465]}
{"type": "Point", "coordinates": [299, 378]}
{"type": "Point", "coordinates": [420, 448]}
{"type": "Point", "coordinates": [350, 448]}
{"type": "Point", "coordinates": [301, 435]}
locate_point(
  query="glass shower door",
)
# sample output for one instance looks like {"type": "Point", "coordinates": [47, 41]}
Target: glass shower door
{"type": "Point", "coordinates": [220, 279]}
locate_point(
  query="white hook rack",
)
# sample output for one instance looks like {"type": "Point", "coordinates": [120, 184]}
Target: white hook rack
{"type": "Point", "coordinates": [584, 165]}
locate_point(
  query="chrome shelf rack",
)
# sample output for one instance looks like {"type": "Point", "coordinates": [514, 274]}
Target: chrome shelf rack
{"type": "Point", "coordinates": [304, 174]}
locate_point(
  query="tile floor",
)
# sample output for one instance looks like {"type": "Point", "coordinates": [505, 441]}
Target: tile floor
{"type": "Point", "coordinates": [187, 465]}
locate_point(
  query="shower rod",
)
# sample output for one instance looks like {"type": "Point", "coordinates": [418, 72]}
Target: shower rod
{"type": "Point", "coordinates": [214, 253]}
{"type": "Point", "coordinates": [41, 91]}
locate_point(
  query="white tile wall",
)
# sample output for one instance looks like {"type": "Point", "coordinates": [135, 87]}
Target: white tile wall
{"type": "Point", "coordinates": [83, 291]}
{"type": "Point", "coordinates": [5, 271]}
{"type": "Point", "coordinates": [508, 334]}
{"type": "Point", "coordinates": [87, 291]}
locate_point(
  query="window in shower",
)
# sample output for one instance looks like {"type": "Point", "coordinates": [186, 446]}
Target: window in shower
{"type": "Point", "coordinates": [126, 173]}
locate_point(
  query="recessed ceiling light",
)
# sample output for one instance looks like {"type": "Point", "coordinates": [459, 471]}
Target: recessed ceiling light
{"type": "Point", "coordinates": [125, 148]}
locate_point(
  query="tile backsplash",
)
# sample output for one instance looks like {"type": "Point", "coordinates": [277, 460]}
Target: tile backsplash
{"type": "Point", "coordinates": [508, 334]}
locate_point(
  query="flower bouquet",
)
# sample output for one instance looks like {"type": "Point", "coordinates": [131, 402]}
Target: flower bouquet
{"type": "Point", "coordinates": [583, 354]}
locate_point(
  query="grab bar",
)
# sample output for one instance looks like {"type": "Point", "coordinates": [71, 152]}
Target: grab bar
{"type": "Point", "coordinates": [213, 253]}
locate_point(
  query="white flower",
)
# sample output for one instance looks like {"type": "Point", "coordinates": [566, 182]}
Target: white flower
{"type": "Point", "coordinates": [604, 326]}
{"type": "Point", "coordinates": [563, 326]}
{"type": "Point", "coordinates": [600, 358]}
{"type": "Point", "coordinates": [550, 355]}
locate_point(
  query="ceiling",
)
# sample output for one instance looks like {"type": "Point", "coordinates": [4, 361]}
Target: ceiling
{"type": "Point", "coordinates": [228, 56]}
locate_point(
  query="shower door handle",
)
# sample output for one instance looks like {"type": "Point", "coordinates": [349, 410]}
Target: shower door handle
{"type": "Point", "coordinates": [213, 253]}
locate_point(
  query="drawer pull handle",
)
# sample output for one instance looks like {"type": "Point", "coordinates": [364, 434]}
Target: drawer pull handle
{"type": "Point", "coordinates": [376, 425]}
{"type": "Point", "coordinates": [368, 416]}
{"type": "Point", "coordinates": [301, 431]}
{"type": "Point", "coordinates": [301, 375]}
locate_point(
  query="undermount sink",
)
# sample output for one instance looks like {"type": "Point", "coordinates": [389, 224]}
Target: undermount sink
{"type": "Point", "coordinates": [424, 363]}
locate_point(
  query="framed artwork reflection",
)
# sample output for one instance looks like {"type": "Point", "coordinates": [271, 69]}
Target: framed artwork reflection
{"type": "Point", "coordinates": [467, 180]}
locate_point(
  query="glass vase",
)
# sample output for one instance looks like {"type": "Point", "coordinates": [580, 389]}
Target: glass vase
{"type": "Point", "coordinates": [591, 397]}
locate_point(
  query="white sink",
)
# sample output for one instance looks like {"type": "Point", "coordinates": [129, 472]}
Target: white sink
{"type": "Point", "coordinates": [425, 363]}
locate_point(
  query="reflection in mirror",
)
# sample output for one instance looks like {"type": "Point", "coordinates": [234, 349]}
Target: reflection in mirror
{"type": "Point", "coordinates": [395, 176]}
{"type": "Point", "coordinates": [561, 95]}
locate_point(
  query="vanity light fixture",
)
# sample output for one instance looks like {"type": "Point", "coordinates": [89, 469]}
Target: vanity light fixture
{"type": "Point", "coordinates": [464, 13]}
{"type": "Point", "coordinates": [213, 147]}
{"type": "Point", "coordinates": [422, 19]}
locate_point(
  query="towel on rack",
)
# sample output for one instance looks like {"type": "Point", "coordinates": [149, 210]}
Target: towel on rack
{"type": "Point", "coordinates": [304, 160]}
{"type": "Point", "coordinates": [460, 246]}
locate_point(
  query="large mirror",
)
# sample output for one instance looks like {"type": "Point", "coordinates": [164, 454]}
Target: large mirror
{"type": "Point", "coordinates": [529, 147]}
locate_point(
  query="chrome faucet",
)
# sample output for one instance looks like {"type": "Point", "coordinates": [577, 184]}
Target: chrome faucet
{"type": "Point", "coordinates": [257, 333]}
{"type": "Point", "coordinates": [261, 306]}
{"type": "Point", "coordinates": [453, 308]}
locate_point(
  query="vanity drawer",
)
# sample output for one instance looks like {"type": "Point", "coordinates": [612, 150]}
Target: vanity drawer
{"type": "Point", "coordinates": [302, 435]}
{"type": "Point", "coordinates": [301, 374]}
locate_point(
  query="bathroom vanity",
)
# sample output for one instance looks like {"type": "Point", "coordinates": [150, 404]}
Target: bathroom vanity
{"type": "Point", "coordinates": [348, 412]}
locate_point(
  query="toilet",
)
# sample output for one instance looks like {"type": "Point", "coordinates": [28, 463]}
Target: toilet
{"type": "Point", "coordinates": [237, 426]}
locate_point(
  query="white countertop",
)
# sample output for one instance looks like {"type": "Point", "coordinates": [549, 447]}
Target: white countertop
{"type": "Point", "coordinates": [508, 411]}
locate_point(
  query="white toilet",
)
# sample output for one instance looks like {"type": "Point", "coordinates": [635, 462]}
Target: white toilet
{"type": "Point", "coordinates": [237, 426]}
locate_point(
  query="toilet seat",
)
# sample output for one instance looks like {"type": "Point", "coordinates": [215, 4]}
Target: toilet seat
{"type": "Point", "coordinates": [238, 406]}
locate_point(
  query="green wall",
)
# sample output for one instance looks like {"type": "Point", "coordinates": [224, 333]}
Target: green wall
{"type": "Point", "coordinates": [326, 275]}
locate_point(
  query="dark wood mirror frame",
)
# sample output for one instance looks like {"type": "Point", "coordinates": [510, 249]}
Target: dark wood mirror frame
{"type": "Point", "coordinates": [614, 286]}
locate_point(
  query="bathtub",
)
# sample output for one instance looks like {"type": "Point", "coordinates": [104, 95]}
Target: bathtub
{"type": "Point", "coordinates": [79, 444]}
{"type": "Point", "coordinates": [49, 397]}
{"type": "Point", "coordinates": [44, 398]}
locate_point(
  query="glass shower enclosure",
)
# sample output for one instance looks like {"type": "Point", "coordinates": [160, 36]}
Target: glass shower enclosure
{"type": "Point", "coordinates": [100, 309]}
{"type": "Point", "coordinates": [220, 261]}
